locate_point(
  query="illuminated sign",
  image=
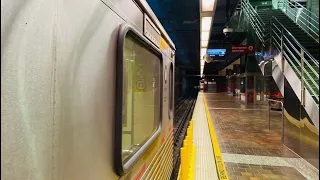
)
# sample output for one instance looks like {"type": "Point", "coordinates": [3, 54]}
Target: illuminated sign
{"type": "Point", "coordinates": [216, 52]}
{"type": "Point", "coordinates": [242, 49]}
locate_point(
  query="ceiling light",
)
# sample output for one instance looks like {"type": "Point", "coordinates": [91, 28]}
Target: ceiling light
{"type": "Point", "coordinates": [204, 35]}
{"type": "Point", "coordinates": [202, 62]}
{"type": "Point", "coordinates": [206, 23]}
{"type": "Point", "coordinates": [203, 51]}
{"type": "Point", "coordinates": [204, 43]}
{"type": "Point", "coordinates": [207, 5]}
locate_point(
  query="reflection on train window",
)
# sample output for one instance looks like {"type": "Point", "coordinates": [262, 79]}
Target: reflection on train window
{"type": "Point", "coordinates": [141, 102]}
{"type": "Point", "coordinates": [170, 91]}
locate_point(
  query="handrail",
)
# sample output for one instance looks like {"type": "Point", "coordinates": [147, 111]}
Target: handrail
{"type": "Point", "coordinates": [295, 40]}
{"type": "Point", "coordinates": [282, 117]}
{"type": "Point", "coordinates": [310, 19]}
{"type": "Point", "coordinates": [255, 20]}
{"type": "Point", "coordinates": [302, 61]}
{"type": "Point", "coordinates": [246, 3]}
{"type": "Point", "coordinates": [297, 3]}
{"type": "Point", "coordinates": [301, 52]}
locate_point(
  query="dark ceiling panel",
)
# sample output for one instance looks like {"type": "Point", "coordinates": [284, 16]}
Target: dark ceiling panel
{"type": "Point", "coordinates": [181, 19]}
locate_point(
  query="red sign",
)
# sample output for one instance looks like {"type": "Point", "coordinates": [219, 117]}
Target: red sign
{"type": "Point", "coordinates": [242, 49]}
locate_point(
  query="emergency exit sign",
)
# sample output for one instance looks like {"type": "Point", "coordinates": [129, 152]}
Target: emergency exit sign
{"type": "Point", "coordinates": [242, 49]}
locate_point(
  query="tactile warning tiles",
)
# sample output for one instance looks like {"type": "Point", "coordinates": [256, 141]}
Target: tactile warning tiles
{"type": "Point", "coordinates": [205, 167]}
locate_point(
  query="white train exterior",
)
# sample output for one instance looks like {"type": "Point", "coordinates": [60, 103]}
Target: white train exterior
{"type": "Point", "coordinates": [86, 91]}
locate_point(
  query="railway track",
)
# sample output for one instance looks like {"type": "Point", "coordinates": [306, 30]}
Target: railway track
{"type": "Point", "coordinates": [183, 114]}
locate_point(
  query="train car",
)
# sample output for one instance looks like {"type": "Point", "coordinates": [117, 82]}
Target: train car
{"type": "Point", "coordinates": [86, 91]}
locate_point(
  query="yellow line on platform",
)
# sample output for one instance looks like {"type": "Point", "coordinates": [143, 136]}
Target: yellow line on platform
{"type": "Point", "coordinates": [222, 172]}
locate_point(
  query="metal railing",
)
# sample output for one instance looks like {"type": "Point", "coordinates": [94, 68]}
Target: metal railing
{"type": "Point", "coordinates": [254, 19]}
{"type": "Point", "coordinates": [282, 116]}
{"type": "Point", "coordinates": [280, 38]}
{"type": "Point", "coordinates": [306, 19]}
{"type": "Point", "coordinates": [301, 61]}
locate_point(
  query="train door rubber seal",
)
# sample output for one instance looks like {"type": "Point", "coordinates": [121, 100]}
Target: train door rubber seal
{"type": "Point", "coordinates": [124, 30]}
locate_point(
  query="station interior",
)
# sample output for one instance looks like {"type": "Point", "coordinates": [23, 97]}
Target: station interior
{"type": "Point", "coordinates": [160, 89]}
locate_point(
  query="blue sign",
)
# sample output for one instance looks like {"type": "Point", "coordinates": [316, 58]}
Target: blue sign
{"type": "Point", "coordinates": [216, 52]}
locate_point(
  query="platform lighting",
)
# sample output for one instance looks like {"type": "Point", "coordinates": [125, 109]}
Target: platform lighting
{"type": "Point", "coordinates": [202, 62]}
{"type": "Point", "coordinates": [207, 8]}
{"type": "Point", "coordinates": [207, 5]}
{"type": "Point", "coordinates": [205, 35]}
{"type": "Point", "coordinates": [201, 68]}
{"type": "Point", "coordinates": [203, 51]}
{"type": "Point", "coordinates": [206, 23]}
{"type": "Point", "coordinates": [204, 43]}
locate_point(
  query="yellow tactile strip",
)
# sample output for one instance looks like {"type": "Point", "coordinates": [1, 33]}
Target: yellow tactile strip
{"type": "Point", "coordinates": [222, 172]}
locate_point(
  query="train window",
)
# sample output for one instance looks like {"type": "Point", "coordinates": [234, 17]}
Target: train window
{"type": "Point", "coordinates": [171, 81]}
{"type": "Point", "coordinates": [139, 102]}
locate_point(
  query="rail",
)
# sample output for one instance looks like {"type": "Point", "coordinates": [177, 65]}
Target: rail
{"type": "Point", "coordinates": [300, 59]}
{"type": "Point", "coordinates": [282, 116]}
{"type": "Point", "coordinates": [255, 20]}
{"type": "Point", "coordinates": [306, 19]}
{"type": "Point", "coordinates": [302, 62]}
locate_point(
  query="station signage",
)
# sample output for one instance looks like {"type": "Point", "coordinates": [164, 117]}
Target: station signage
{"type": "Point", "coordinates": [245, 49]}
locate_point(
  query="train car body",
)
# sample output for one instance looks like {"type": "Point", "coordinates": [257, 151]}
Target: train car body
{"type": "Point", "coordinates": [86, 91]}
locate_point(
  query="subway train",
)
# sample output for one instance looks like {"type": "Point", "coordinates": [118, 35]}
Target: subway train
{"type": "Point", "coordinates": [86, 91]}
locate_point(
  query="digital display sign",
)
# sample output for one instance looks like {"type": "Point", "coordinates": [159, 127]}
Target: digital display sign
{"type": "Point", "coordinates": [216, 52]}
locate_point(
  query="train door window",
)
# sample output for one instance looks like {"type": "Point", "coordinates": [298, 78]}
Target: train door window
{"type": "Point", "coordinates": [140, 106]}
{"type": "Point", "coordinates": [171, 81]}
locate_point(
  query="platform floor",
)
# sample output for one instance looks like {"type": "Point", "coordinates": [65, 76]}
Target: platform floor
{"type": "Point", "coordinates": [251, 151]}
{"type": "Point", "coordinates": [205, 167]}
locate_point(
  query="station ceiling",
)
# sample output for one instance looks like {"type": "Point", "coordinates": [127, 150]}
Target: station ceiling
{"type": "Point", "coordinates": [181, 20]}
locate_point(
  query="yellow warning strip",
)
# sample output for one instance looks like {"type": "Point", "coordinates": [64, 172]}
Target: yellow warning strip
{"type": "Point", "coordinates": [222, 172]}
{"type": "Point", "coordinates": [178, 178]}
{"type": "Point", "coordinates": [187, 154]}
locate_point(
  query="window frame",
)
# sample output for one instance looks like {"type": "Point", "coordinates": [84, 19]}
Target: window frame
{"type": "Point", "coordinates": [171, 91]}
{"type": "Point", "coordinates": [125, 30]}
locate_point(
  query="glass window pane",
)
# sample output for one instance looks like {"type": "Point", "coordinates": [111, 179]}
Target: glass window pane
{"type": "Point", "coordinates": [141, 103]}
{"type": "Point", "coordinates": [171, 91]}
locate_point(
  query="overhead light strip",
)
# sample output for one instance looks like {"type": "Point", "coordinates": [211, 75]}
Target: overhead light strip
{"type": "Point", "coordinates": [206, 23]}
{"type": "Point", "coordinates": [206, 18]}
{"type": "Point", "coordinates": [204, 44]}
{"type": "Point", "coordinates": [207, 5]}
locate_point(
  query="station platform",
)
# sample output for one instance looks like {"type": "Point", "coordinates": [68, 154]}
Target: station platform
{"type": "Point", "coordinates": [233, 142]}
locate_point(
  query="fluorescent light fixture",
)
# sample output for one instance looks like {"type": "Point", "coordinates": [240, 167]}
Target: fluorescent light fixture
{"type": "Point", "coordinates": [202, 62]}
{"type": "Point", "coordinates": [203, 51]}
{"type": "Point", "coordinates": [206, 23]}
{"type": "Point", "coordinates": [204, 35]}
{"type": "Point", "coordinates": [207, 5]}
{"type": "Point", "coordinates": [204, 43]}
